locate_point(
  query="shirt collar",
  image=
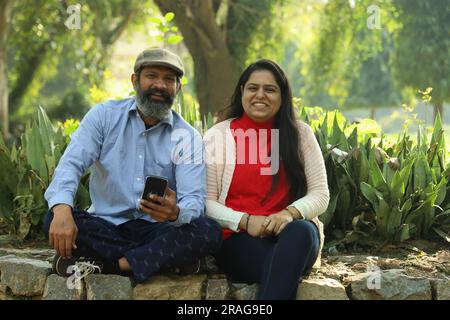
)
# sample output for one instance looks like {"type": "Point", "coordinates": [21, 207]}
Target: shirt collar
{"type": "Point", "coordinates": [167, 119]}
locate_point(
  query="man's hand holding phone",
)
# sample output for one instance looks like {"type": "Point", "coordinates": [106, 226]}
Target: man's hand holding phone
{"type": "Point", "coordinates": [167, 210]}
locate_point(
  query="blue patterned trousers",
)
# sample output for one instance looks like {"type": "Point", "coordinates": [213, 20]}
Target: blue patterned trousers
{"type": "Point", "coordinates": [148, 247]}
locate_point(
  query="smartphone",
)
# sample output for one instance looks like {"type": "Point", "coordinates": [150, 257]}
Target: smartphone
{"type": "Point", "coordinates": [154, 185]}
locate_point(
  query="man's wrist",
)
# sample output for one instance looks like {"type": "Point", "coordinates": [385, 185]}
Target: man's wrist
{"type": "Point", "coordinates": [61, 208]}
{"type": "Point", "coordinates": [176, 216]}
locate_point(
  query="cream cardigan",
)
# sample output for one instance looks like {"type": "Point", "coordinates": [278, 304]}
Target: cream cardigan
{"type": "Point", "coordinates": [220, 156]}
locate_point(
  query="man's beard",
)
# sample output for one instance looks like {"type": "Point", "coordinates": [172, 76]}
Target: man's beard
{"type": "Point", "coordinates": [151, 108]}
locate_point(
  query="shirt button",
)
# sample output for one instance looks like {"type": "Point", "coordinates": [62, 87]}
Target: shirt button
{"type": "Point", "coordinates": [138, 179]}
{"type": "Point", "coordinates": [140, 156]}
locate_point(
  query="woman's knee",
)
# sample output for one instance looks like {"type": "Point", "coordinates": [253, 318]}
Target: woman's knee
{"type": "Point", "coordinates": [301, 229]}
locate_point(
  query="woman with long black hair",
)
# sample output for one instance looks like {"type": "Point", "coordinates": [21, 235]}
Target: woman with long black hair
{"type": "Point", "coordinates": [266, 185]}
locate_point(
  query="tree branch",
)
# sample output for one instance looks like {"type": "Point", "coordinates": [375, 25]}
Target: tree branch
{"type": "Point", "coordinates": [197, 23]}
{"type": "Point", "coordinates": [112, 35]}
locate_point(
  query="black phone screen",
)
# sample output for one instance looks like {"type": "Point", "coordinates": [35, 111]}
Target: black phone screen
{"type": "Point", "coordinates": [154, 185]}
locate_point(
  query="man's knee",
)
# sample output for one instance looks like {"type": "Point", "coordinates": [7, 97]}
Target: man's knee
{"type": "Point", "coordinates": [209, 228]}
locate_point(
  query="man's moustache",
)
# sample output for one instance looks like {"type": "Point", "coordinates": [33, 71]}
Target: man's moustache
{"type": "Point", "coordinates": [152, 91]}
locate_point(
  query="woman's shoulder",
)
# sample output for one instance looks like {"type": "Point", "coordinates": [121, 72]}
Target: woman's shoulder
{"type": "Point", "coordinates": [303, 127]}
{"type": "Point", "coordinates": [218, 127]}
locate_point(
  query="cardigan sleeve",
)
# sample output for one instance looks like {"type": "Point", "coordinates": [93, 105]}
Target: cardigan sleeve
{"type": "Point", "coordinates": [214, 147]}
{"type": "Point", "coordinates": [212, 183]}
{"type": "Point", "coordinates": [226, 217]}
{"type": "Point", "coordinates": [315, 202]}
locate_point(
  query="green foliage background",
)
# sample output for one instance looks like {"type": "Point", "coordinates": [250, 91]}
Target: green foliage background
{"type": "Point", "coordinates": [393, 188]}
{"type": "Point", "coordinates": [395, 191]}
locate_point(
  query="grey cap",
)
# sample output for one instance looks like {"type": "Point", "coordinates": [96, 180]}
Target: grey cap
{"type": "Point", "coordinates": [159, 57]}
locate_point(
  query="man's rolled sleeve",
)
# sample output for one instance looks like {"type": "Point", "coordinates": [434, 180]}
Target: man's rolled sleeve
{"type": "Point", "coordinates": [61, 198]}
{"type": "Point", "coordinates": [189, 210]}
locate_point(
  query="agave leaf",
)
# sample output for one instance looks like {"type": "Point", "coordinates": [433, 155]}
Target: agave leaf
{"type": "Point", "coordinates": [370, 194]}
{"type": "Point", "coordinates": [3, 148]}
{"type": "Point", "coordinates": [46, 131]}
{"type": "Point", "coordinates": [421, 178]}
{"type": "Point", "coordinates": [303, 115]}
{"type": "Point", "coordinates": [51, 165]}
{"type": "Point", "coordinates": [327, 216]}
{"type": "Point", "coordinates": [35, 152]}
{"type": "Point", "coordinates": [324, 127]}
{"type": "Point", "coordinates": [420, 217]}
{"type": "Point", "coordinates": [397, 188]}
{"type": "Point", "coordinates": [429, 212]}
{"type": "Point", "coordinates": [363, 166]}
{"type": "Point", "coordinates": [382, 219]}
{"type": "Point", "coordinates": [394, 222]}
{"type": "Point", "coordinates": [404, 233]}
{"type": "Point", "coordinates": [388, 173]}
{"type": "Point", "coordinates": [441, 191]}
{"type": "Point", "coordinates": [407, 205]}
{"type": "Point", "coordinates": [376, 178]}
{"type": "Point", "coordinates": [8, 175]}
{"type": "Point", "coordinates": [338, 137]}
{"type": "Point", "coordinates": [406, 170]}
{"type": "Point", "coordinates": [441, 233]}
{"type": "Point", "coordinates": [438, 140]}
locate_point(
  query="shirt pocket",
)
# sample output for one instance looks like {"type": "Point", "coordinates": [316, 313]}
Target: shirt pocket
{"type": "Point", "coordinates": [164, 169]}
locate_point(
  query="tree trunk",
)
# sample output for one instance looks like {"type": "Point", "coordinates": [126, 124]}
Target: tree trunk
{"type": "Point", "coordinates": [5, 15]}
{"type": "Point", "coordinates": [438, 107]}
{"type": "Point", "coordinates": [216, 71]}
{"type": "Point", "coordinates": [27, 73]}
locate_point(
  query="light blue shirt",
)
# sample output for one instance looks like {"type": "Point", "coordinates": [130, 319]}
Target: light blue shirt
{"type": "Point", "coordinates": [113, 142]}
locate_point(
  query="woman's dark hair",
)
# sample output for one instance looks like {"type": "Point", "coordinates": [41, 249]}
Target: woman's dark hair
{"type": "Point", "coordinates": [284, 121]}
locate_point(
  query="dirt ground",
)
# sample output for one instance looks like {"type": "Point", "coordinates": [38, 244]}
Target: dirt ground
{"type": "Point", "coordinates": [418, 258]}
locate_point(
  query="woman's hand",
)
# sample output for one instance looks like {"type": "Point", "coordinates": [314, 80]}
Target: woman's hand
{"type": "Point", "coordinates": [254, 225]}
{"type": "Point", "coordinates": [275, 223]}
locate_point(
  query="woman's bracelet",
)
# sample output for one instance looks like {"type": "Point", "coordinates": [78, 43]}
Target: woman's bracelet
{"type": "Point", "coordinates": [246, 223]}
{"type": "Point", "coordinates": [295, 214]}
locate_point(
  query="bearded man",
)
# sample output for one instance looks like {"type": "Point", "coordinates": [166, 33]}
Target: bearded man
{"type": "Point", "coordinates": [122, 142]}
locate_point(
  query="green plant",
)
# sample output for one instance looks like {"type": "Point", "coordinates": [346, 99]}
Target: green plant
{"type": "Point", "coordinates": [408, 201]}
{"type": "Point", "coordinates": [395, 191]}
{"type": "Point", "coordinates": [346, 163]}
{"type": "Point", "coordinates": [188, 109]}
{"type": "Point", "coordinates": [26, 173]}
{"type": "Point", "coordinates": [168, 32]}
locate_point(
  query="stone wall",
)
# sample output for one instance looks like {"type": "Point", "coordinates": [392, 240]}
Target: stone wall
{"type": "Point", "coordinates": [25, 277]}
